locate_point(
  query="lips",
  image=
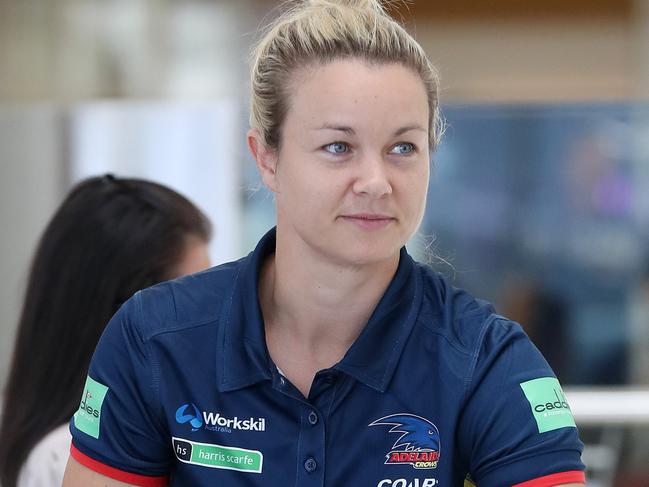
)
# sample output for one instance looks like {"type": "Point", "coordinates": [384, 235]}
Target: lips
{"type": "Point", "coordinates": [368, 220]}
{"type": "Point", "coordinates": [368, 216]}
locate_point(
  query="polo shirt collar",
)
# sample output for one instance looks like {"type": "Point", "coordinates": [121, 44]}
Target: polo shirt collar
{"type": "Point", "coordinates": [242, 355]}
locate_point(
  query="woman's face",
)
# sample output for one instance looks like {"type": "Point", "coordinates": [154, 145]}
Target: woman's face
{"type": "Point", "coordinates": [351, 174]}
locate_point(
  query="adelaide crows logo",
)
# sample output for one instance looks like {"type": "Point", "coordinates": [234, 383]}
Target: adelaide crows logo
{"type": "Point", "coordinates": [419, 443]}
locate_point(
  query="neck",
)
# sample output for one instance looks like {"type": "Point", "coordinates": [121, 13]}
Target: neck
{"type": "Point", "coordinates": [320, 306]}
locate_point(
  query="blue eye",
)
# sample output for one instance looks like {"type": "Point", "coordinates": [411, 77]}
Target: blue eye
{"type": "Point", "coordinates": [403, 148]}
{"type": "Point", "coordinates": [337, 148]}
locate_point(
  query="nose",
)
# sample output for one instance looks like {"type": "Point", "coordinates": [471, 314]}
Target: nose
{"type": "Point", "coordinates": [373, 179]}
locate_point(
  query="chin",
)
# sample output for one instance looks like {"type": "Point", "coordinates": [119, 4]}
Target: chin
{"type": "Point", "coordinates": [352, 248]}
{"type": "Point", "coordinates": [367, 252]}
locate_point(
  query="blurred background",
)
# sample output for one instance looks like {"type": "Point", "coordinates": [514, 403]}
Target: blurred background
{"type": "Point", "coordinates": [539, 197]}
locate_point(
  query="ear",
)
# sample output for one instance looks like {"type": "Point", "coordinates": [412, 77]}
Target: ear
{"type": "Point", "coordinates": [265, 157]}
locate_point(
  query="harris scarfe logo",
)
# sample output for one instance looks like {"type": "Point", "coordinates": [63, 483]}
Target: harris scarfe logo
{"type": "Point", "coordinates": [189, 413]}
{"type": "Point", "coordinates": [419, 442]}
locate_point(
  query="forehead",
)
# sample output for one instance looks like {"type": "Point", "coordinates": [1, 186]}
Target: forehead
{"type": "Point", "coordinates": [356, 91]}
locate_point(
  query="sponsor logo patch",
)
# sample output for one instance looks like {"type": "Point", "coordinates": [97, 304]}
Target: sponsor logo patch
{"type": "Point", "coordinates": [549, 406]}
{"type": "Point", "coordinates": [218, 456]}
{"type": "Point", "coordinates": [213, 421]}
{"type": "Point", "coordinates": [407, 483]}
{"type": "Point", "coordinates": [419, 442]}
{"type": "Point", "coordinates": [88, 416]}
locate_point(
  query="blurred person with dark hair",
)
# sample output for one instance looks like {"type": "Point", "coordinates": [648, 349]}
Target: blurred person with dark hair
{"type": "Point", "coordinates": [109, 238]}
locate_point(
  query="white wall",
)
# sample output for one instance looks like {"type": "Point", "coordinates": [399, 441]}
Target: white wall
{"type": "Point", "coordinates": [190, 147]}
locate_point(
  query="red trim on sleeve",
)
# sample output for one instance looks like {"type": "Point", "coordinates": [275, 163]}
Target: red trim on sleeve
{"type": "Point", "coordinates": [114, 473]}
{"type": "Point", "coordinates": [574, 476]}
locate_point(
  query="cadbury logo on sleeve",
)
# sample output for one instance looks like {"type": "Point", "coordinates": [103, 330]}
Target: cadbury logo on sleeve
{"type": "Point", "coordinates": [560, 403]}
{"type": "Point", "coordinates": [548, 404]}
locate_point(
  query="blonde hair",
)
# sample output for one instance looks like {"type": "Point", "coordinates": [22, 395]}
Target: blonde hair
{"type": "Point", "coordinates": [318, 31]}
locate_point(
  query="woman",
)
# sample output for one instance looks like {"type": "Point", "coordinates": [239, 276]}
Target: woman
{"type": "Point", "coordinates": [327, 356]}
{"type": "Point", "coordinates": [108, 239]}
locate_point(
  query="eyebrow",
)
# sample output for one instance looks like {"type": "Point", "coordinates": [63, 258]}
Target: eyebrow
{"type": "Point", "coordinates": [350, 131]}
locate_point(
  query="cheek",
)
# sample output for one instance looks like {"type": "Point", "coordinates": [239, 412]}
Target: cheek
{"type": "Point", "coordinates": [302, 194]}
{"type": "Point", "coordinates": [307, 185]}
{"type": "Point", "coordinates": [416, 188]}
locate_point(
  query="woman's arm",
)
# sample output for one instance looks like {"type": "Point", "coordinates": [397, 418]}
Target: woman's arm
{"type": "Point", "coordinates": [118, 386]}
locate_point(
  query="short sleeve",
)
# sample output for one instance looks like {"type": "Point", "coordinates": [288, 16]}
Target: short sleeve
{"type": "Point", "coordinates": [117, 430]}
{"type": "Point", "coordinates": [516, 427]}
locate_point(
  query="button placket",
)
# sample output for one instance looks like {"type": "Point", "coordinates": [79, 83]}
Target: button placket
{"type": "Point", "coordinates": [311, 454]}
{"type": "Point", "coordinates": [311, 462]}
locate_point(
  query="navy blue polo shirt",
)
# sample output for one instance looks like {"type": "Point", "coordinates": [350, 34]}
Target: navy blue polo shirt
{"type": "Point", "coordinates": [436, 389]}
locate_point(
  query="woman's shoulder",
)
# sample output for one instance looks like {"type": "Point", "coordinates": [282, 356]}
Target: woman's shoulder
{"type": "Point", "coordinates": [463, 319]}
{"type": "Point", "coordinates": [46, 462]}
{"type": "Point", "coordinates": [185, 302]}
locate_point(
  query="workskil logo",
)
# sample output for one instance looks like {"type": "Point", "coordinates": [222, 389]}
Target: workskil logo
{"type": "Point", "coordinates": [189, 413]}
{"type": "Point", "coordinates": [419, 443]}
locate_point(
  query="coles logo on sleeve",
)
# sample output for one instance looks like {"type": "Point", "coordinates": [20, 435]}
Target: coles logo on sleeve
{"type": "Point", "coordinates": [418, 444]}
{"type": "Point", "coordinates": [88, 416]}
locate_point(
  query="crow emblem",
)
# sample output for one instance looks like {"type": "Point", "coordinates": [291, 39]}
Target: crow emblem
{"type": "Point", "coordinates": [418, 443]}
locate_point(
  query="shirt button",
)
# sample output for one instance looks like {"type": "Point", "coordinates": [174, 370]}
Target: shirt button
{"type": "Point", "coordinates": [313, 418]}
{"type": "Point", "coordinates": [310, 464]}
